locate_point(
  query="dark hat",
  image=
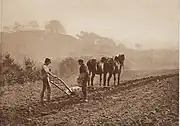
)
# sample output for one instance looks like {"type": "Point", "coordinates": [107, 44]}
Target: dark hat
{"type": "Point", "coordinates": [47, 60]}
{"type": "Point", "coordinates": [80, 60]}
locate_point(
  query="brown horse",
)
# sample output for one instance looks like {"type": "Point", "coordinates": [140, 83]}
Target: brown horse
{"type": "Point", "coordinates": [119, 63]}
{"type": "Point", "coordinates": [97, 67]}
{"type": "Point", "coordinates": [103, 67]}
{"type": "Point", "coordinates": [92, 65]}
{"type": "Point", "coordinates": [109, 68]}
{"type": "Point", "coordinates": [113, 66]}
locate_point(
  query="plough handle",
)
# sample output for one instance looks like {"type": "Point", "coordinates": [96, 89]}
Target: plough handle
{"type": "Point", "coordinates": [65, 84]}
{"type": "Point", "coordinates": [58, 87]}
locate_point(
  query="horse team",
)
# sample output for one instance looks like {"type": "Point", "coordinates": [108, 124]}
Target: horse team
{"type": "Point", "coordinates": [106, 66]}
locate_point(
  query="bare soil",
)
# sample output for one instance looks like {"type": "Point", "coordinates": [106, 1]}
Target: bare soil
{"type": "Point", "coordinates": [148, 101]}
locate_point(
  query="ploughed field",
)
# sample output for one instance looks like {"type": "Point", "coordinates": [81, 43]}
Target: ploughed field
{"type": "Point", "coordinates": [143, 98]}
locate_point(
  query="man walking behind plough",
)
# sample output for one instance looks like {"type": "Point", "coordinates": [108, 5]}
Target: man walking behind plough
{"type": "Point", "coordinates": [45, 74]}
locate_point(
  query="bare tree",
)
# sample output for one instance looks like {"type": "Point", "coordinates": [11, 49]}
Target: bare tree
{"type": "Point", "coordinates": [55, 26]}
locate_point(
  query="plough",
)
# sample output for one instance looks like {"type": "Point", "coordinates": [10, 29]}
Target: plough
{"type": "Point", "coordinates": [72, 90]}
{"type": "Point", "coordinates": [69, 90]}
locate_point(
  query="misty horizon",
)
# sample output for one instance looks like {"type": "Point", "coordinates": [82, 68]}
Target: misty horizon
{"type": "Point", "coordinates": [153, 24]}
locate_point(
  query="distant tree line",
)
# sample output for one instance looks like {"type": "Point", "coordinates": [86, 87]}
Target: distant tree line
{"type": "Point", "coordinates": [53, 26]}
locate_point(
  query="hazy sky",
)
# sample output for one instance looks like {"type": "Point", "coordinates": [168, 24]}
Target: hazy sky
{"type": "Point", "coordinates": [131, 20]}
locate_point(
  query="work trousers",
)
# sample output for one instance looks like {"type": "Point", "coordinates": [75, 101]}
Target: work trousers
{"type": "Point", "coordinates": [46, 85]}
{"type": "Point", "coordinates": [84, 87]}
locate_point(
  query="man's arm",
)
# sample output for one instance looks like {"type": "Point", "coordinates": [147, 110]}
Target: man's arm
{"type": "Point", "coordinates": [48, 72]}
{"type": "Point", "coordinates": [52, 74]}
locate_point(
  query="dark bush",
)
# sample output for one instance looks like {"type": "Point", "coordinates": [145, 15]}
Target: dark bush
{"type": "Point", "coordinates": [14, 73]}
{"type": "Point", "coordinates": [31, 71]}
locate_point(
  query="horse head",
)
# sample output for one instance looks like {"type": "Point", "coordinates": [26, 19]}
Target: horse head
{"type": "Point", "coordinates": [103, 59]}
{"type": "Point", "coordinates": [121, 58]}
{"type": "Point", "coordinates": [110, 60]}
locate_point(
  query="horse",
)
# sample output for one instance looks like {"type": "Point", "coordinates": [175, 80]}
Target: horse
{"type": "Point", "coordinates": [106, 65]}
{"type": "Point", "coordinates": [93, 68]}
{"type": "Point", "coordinates": [109, 67]}
{"type": "Point", "coordinates": [119, 63]}
{"type": "Point", "coordinates": [97, 68]}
